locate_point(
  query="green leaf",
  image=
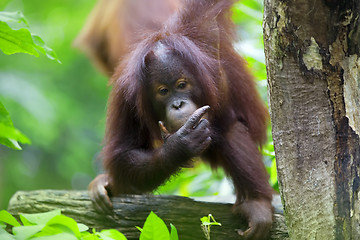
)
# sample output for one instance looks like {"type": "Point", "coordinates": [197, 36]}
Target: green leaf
{"type": "Point", "coordinates": [60, 224]}
{"type": "Point", "coordinates": [12, 133]}
{"type": "Point", "coordinates": [173, 233]}
{"type": "Point", "coordinates": [209, 221]}
{"type": "Point", "coordinates": [40, 46]}
{"type": "Point", "coordinates": [82, 227]}
{"type": "Point", "coordinates": [204, 219]}
{"type": "Point", "coordinates": [62, 221]}
{"type": "Point", "coordinates": [25, 232]}
{"type": "Point", "coordinates": [139, 228]}
{"type": "Point", "coordinates": [4, 235]}
{"type": "Point", "coordinates": [4, 116]}
{"type": "Point", "coordinates": [154, 228]}
{"type": "Point", "coordinates": [10, 143]}
{"type": "Point", "coordinates": [14, 19]}
{"type": "Point", "coordinates": [16, 41]}
{"type": "Point", "coordinates": [39, 218]}
{"type": "Point", "coordinates": [16, 38]}
{"type": "Point", "coordinates": [112, 234]}
{"type": "Point", "coordinates": [89, 236]}
{"type": "Point", "coordinates": [60, 236]}
{"type": "Point", "coordinates": [7, 218]}
{"type": "Point", "coordinates": [8, 134]}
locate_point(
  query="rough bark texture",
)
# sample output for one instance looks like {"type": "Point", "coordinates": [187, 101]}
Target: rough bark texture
{"type": "Point", "coordinates": [131, 211]}
{"type": "Point", "coordinates": [313, 65]}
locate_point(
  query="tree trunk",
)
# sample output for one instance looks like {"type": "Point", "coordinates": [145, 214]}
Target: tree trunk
{"type": "Point", "coordinates": [132, 210]}
{"type": "Point", "coordinates": [313, 66]}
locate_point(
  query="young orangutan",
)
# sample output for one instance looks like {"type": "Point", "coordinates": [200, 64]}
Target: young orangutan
{"type": "Point", "coordinates": [177, 80]}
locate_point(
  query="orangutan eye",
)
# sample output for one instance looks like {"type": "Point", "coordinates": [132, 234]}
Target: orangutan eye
{"type": "Point", "coordinates": [181, 84]}
{"type": "Point", "coordinates": [163, 91]}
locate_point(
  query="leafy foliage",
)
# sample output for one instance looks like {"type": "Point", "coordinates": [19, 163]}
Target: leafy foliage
{"type": "Point", "coordinates": [61, 108]}
{"type": "Point", "coordinates": [55, 226]}
{"type": "Point", "coordinates": [206, 223]}
{"type": "Point", "coordinates": [155, 228]}
{"type": "Point", "coordinates": [9, 136]}
{"type": "Point", "coordinates": [17, 41]}
{"type": "Point", "coordinates": [51, 226]}
{"type": "Point", "coordinates": [14, 40]}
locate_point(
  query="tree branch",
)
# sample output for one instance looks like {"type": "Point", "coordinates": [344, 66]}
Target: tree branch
{"type": "Point", "coordinates": [132, 210]}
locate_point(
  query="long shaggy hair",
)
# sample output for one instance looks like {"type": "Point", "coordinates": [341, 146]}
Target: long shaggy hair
{"type": "Point", "coordinates": [201, 32]}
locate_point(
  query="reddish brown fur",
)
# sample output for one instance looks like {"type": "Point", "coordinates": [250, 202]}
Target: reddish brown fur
{"type": "Point", "coordinates": [202, 32]}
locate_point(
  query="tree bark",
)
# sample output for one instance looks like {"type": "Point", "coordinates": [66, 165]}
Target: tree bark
{"type": "Point", "coordinates": [132, 210]}
{"type": "Point", "coordinates": [313, 66]}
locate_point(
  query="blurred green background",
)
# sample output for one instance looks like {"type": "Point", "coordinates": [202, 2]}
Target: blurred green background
{"type": "Point", "coordinates": [62, 107]}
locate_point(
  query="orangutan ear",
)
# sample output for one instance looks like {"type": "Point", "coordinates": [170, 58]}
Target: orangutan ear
{"type": "Point", "coordinates": [150, 56]}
